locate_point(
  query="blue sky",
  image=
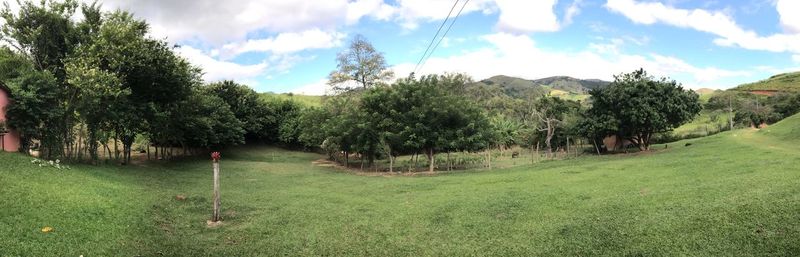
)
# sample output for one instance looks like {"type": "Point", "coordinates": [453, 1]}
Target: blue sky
{"type": "Point", "coordinates": [290, 46]}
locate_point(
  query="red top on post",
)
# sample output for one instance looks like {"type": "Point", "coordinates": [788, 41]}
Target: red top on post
{"type": "Point", "coordinates": [215, 156]}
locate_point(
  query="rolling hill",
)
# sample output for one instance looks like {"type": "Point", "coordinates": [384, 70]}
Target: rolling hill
{"type": "Point", "coordinates": [561, 86]}
{"type": "Point", "coordinates": [785, 82]}
{"type": "Point", "coordinates": [306, 100]}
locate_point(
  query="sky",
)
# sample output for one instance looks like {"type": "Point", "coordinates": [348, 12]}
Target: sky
{"type": "Point", "coordinates": [290, 46]}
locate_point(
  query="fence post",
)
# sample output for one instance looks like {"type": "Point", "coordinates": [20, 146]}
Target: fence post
{"type": "Point", "coordinates": [215, 156]}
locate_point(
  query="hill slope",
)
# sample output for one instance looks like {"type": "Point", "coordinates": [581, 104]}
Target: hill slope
{"type": "Point", "coordinates": [558, 85]}
{"type": "Point", "coordinates": [786, 129]}
{"type": "Point", "coordinates": [789, 82]}
{"type": "Point", "coordinates": [307, 100]}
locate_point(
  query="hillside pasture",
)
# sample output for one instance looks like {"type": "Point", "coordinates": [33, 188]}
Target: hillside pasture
{"type": "Point", "coordinates": [734, 193]}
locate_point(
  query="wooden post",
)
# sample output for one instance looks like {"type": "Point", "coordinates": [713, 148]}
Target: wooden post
{"type": "Point", "coordinates": [215, 157]}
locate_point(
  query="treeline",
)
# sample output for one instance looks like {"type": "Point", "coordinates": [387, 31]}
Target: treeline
{"type": "Point", "coordinates": [752, 110]}
{"type": "Point", "coordinates": [448, 113]}
{"type": "Point", "coordinates": [412, 116]}
{"type": "Point", "coordinates": [81, 88]}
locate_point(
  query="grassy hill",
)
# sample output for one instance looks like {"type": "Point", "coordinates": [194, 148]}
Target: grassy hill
{"type": "Point", "coordinates": [731, 194]}
{"type": "Point", "coordinates": [705, 94]}
{"type": "Point", "coordinates": [782, 82]}
{"type": "Point", "coordinates": [561, 86]}
{"type": "Point", "coordinates": [787, 129]}
{"type": "Point", "coordinates": [308, 100]}
{"type": "Point", "coordinates": [572, 85]}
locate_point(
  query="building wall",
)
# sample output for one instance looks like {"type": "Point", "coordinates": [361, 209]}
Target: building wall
{"type": "Point", "coordinates": [613, 143]}
{"type": "Point", "coordinates": [10, 141]}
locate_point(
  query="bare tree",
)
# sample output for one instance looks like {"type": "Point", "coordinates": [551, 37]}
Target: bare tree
{"type": "Point", "coordinates": [359, 63]}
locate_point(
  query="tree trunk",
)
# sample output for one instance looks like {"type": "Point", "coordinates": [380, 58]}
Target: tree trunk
{"type": "Point", "coordinates": [391, 163]}
{"type": "Point", "coordinates": [416, 161]}
{"type": "Point", "coordinates": [489, 159]}
{"type": "Point", "coordinates": [431, 160]}
{"type": "Point", "coordinates": [116, 147]}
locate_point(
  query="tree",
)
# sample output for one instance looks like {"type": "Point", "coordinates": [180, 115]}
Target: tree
{"type": "Point", "coordinates": [361, 64]}
{"type": "Point", "coordinates": [255, 113]}
{"type": "Point", "coordinates": [45, 49]}
{"type": "Point", "coordinates": [99, 90]}
{"type": "Point", "coordinates": [507, 131]}
{"type": "Point", "coordinates": [550, 111]}
{"type": "Point", "coordinates": [207, 121]}
{"type": "Point", "coordinates": [643, 106]}
{"type": "Point", "coordinates": [435, 119]}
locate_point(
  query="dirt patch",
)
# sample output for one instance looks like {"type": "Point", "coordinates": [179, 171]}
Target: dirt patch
{"type": "Point", "coordinates": [213, 224]}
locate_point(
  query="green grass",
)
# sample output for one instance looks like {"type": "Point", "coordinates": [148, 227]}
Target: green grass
{"type": "Point", "coordinates": [307, 100]}
{"type": "Point", "coordinates": [705, 94]}
{"type": "Point", "coordinates": [707, 122]}
{"type": "Point", "coordinates": [789, 82]}
{"type": "Point", "coordinates": [566, 95]}
{"type": "Point", "coordinates": [731, 194]}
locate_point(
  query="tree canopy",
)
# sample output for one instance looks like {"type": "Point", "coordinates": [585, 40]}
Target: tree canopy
{"type": "Point", "coordinates": [636, 106]}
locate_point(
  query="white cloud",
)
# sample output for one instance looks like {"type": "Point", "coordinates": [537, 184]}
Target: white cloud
{"type": "Point", "coordinates": [376, 9]}
{"type": "Point", "coordinates": [219, 70]}
{"type": "Point", "coordinates": [527, 16]}
{"type": "Point", "coordinates": [218, 23]}
{"type": "Point", "coordinates": [573, 10]}
{"type": "Point", "coordinates": [320, 87]}
{"type": "Point", "coordinates": [796, 58]}
{"type": "Point", "coordinates": [789, 11]}
{"type": "Point", "coordinates": [285, 43]}
{"type": "Point", "coordinates": [518, 55]}
{"type": "Point", "coordinates": [717, 23]}
{"type": "Point", "coordinates": [410, 13]}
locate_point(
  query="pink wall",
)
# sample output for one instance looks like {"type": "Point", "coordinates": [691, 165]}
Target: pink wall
{"type": "Point", "coordinates": [11, 140]}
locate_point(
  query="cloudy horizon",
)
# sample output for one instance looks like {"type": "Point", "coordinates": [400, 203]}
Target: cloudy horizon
{"type": "Point", "coordinates": [289, 46]}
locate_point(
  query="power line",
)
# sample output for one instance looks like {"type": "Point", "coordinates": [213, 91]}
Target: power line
{"type": "Point", "coordinates": [443, 35]}
{"type": "Point", "coordinates": [437, 34]}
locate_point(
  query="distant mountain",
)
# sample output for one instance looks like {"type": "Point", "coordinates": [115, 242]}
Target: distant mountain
{"type": "Point", "coordinates": [517, 87]}
{"type": "Point", "coordinates": [786, 82]}
{"type": "Point", "coordinates": [572, 85]}
{"type": "Point", "coordinates": [704, 91]}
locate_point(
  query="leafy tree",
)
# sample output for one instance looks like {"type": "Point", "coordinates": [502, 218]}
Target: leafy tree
{"type": "Point", "coordinates": [643, 106]}
{"type": "Point", "coordinates": [45, 34]}
{"type": "Point", "coordinates": [435, 119]}
{"type": "Point", "coordinates": [207, 121]}
{"type": "Point", "coordinates": [32, 115]}
{"type": "Point", "coordinates": [244, 102]}
{"type": "Point", "coordinates": [507, 131]}
{"type": "Point", "coordinates": [99, 90]}
{"type": "Point", "coordinates": [361, 64]}
{"type": "Point", "coordinates": [785, 104]}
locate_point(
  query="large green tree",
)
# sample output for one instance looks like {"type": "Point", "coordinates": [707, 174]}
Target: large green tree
{"type": "Point", "coordinates": [642, 106]}
{"type": "Point", "coordinates": [256, 115]}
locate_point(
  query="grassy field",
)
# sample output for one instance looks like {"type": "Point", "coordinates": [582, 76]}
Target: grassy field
{"type": "Point", "coordinates": [789, 82]}
{"type": "Point", "coordinates": [731, 194]}
{"type": "Point", "coordinates": [706, 123]}
{"type": "Point", "coordinates": [307, 100]}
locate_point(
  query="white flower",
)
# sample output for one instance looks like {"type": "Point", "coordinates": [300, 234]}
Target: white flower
{"type": "Point", "coordinates": [58, 161]}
